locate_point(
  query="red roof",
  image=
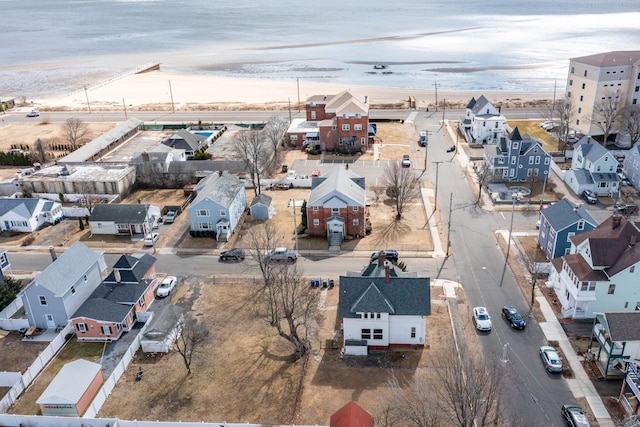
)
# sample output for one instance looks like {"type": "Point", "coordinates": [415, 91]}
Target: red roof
{"type": "Point", "coordinates": [351, 415]}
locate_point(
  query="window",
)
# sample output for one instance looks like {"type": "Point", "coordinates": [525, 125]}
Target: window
{"type": "Point", "coordinates": [202, 212]}
{"type": "Point", "coordinates": [356, 208]}
{"type": "Point", "coordinates": [85, 278]}
{"type": "Point", "coordinates": [581, 98]}
{"type": "Point", "coordinates": [573, 70]}
{"type": "Point", "coordinates": [358, 115]}
{"type": "Point", "coordinates": [357, 127]}
{"type": "Point", "coordinates": [346, 126]}
{"type": "Point", "coordinates": [612, 289]}
{"type": "Point", "coordinates": [584, 85]}
{"type": "Point", "coordinates": [204, 226]}
{"type": "Point", "coordinates": [637, 89]}
{"type": "Point", "coordinates": [537, 160]}
{"type": "Point", "coordinates": [570, 82]}
{"type": "Point", "coordinates": [335, 211]}
{"type": "Point", "coordinates": [569, 94]}
{"type": "Point", "coordinates": [578, 122]}
{"type": "Point", "coordinates": [356, 222]}
{"type": "Point", "coordinates": [581, 225]}
{"type": "Point", "coordinates": [363, 141]}
{"type": "Point", "coordinates": [413, 332]}
{"type": "Point", "coordinates": [569, 236]}
{"type": "Point", "coordinates": [293, 137]}
{"type": "Point", "coordinates": [377, 315]}
{"type": "Point", "coordinates": [316, 208]}
{"type": "Point", "coordinates": [531, 159]}
{"type": "Point", "coordinates": [81, 327]}
{"type": "Point", "coordinates": [141, 301]}
{"type": "Point", "coordinates": [580, 110]}
{"type": "Point", "coordinates": [313, 115]}
{"type": "Point", "coordinates": [316, 222]}
{"type": "Point", "coordinates": [484, 124]}
{"type": "Point", "coordinates": [43, 300]}
{"type": "Point", "coordinates": [73, 290]}
{"type": "Point", "coordinates": [632, 269]}
{"type": "Point", "coordinates": [223, 212]}
{"type": "Point", "coordinates": [106, 330]}
{"type": "Point", "coordinates": [585, 73]}
{"type": "Point", "coordinates": [365, 334]}
{"type": "Point", "coordinates": [377, 334]}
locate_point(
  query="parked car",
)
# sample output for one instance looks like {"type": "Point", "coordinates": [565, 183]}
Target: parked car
{"type": "Point", "coordinates": [33, 113]}
{"type": "Point", "coordinates": [281, 254]}
{"type": "Point", "coordinates": [481, 319]}
{"type": "Point", "coordinates": [513, 316]}
{"type": "Point", "coordinates": [233, 254]}
{"type": "Point", "coordinates": [390, 254]}
{"type": "Point", "coordinates": [292, 175]}
{"type": "Point", "coordinates": [550, 359]}
{"type": "Point", "coordinates": [315, 172]}
{"type": "Point", "coordinates": [590, 197]}
{"type": "Point", "coordinates": [166, 286]}
{"type": "Point", "coordinates": [423, 139]}
{"type": "Point", "coordinates": [451, 149]}
{"type": "Point", "coordinates": [575, 416]}
{"type": "Point", "coordinates": [171, 217]}
{"type": "Point", "coordinates": [625, 208]}
{"type": "Point", "coordinates": [624, 181]}
{"type": "Point", "coordinates": [406, 161]}
{"type": "Point", "coordinates": [151, 239]}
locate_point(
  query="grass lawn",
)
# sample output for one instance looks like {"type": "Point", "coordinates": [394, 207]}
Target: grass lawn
{"type": "Point", "coordinates": [549, 143]}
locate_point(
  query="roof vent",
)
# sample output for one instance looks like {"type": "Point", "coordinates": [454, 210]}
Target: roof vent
{"type": "Point", "coordinates": [632, 242]}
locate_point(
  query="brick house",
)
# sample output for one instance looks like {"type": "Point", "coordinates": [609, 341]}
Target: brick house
{"type": "Point", "coordinates": [334, 123]}
{"type": "Point", "coordinates": [336, 205]}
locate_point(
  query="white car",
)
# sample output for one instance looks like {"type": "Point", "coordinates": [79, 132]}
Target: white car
{"type": "Point", "coordinates": [33, 113]}
{"type": "Point", "coordinates": [551, 359]}
{"type": "Point", "coordinates": [166, 286]}
{"type": "Point", "coordinates": [481, 319]}
{"type": "Point", "coordinates": [292, 175]}
{"type": "Point", "coordinates": [151, 239]}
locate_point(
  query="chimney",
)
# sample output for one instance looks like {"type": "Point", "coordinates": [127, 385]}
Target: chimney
{"type": "Point", "coordinates": [116, 274]}
{"type": "Point", "coordinates": [387, 272]}
{"type": "Point", "coordinates": [632, 243]}
{"type": "Point", "coordinates": [382, 257]}
{"type": "Point", "coordinates": [146, 157]}
{"type": "Point", "coordinates": [616, 219]}
{"type": "Point", "coordinates": [588, 140]}
{"type": "Point", "coordinates": [52, 251]}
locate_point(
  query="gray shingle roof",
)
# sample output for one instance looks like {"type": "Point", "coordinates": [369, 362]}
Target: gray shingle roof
{"type": "Point", "coordinates": [132, 268]}
{"type": "Point", "coordinates": [68, 268]}
{"type": "Point", "coordinates": [163, 321]}
{"type": "Point", "coordinates": [262, 199]}
{"type": "Point", "coordinates": [623, 326]}
{"type": "Point", "coordinates": [185, 139]}
{"type": "Point", "coordinates": [222, 189]}
{"type": "Point", "coordinates": [23, 207]}
{"type": "Point", "coordinates": [339, 180]}
{"type": "Point", "coordinates": [591, 150]}
{"type": "Point", "coordinates": [401, 296]}
{"type": "Point", "coordinates": [564, 214]}
{"type": "Point", "coordinates": [102, 310]}
{"type": "Point", "coordinates": [120, 213]}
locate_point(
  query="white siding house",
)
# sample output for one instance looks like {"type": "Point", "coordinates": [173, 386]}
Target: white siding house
{"type": "Point", "coordinates": [28, 215]}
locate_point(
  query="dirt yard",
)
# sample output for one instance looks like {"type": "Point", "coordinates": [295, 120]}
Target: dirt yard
{"type": "Point", "coordinates": [17, 355]}
{"type": "Point", "coordinates": [246, 373]}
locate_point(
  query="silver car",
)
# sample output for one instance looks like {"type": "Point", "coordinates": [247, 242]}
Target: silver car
{"type": "Point", "coordinates": [481, 319]}
{"type": "Point", "coordinates": [550, 359]}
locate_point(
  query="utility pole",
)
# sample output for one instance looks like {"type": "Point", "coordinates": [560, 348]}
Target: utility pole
{"type": "Point", "coordinates": [298, 82]}
{"type": "Point", "coordinates": [444, 107]}
{"type": "Point", "coordinates": [435, 85]}
{"type": "Point", "coordinates": [435, 202]}
{"type": "Point", "coordinates": [125, 109]}
{"type": "Point", "coordinates": [449, 225]}
{"type": "Point", "coordinates": [514, 197]}
{"type": "Point", "coordinates": [173, 108]}
{"type": "Point", "coordinates": [544, 185]}
{"type": "Point", "coordinates": [426, 149]}
{"type": "Point", "coordinates": [295, 225]}
{"type": "Point", "coordinates": [87, 96]}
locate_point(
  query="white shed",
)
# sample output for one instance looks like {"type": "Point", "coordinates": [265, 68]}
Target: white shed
{"type": "Point", "coordinates": [162, 330]}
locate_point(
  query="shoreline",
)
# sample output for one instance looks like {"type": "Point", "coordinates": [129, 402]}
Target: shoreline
{"type": "Point", "coordinates": [164, 90]}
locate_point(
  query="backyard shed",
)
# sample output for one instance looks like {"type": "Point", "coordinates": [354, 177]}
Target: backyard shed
{"type": "Point", "coordinates": [262, 207]}
{"type": "Point", "coordinates": [72, 390]}
{"type": "Point", "coordinates": [162, 330]}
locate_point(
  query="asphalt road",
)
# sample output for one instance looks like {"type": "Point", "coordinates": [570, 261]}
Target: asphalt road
{"type": "Point", "coordinates": [531, 395]}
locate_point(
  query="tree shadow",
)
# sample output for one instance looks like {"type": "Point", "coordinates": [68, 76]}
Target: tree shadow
{"type": "Point", "coordinates": [392, 231]}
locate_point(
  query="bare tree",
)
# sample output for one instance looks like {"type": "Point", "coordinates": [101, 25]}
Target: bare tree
{"type": "Point", "coordinates": [483, 174]}
{"type": "Point", "coordinates": [75, 131]}
{"type": "Point", "coordinates": [40, 151]}
{"type": "Point", "coordinates": [631, 123]}
{"type": "Point", "coordinates": [459, 391]}
{"type": "Point", "coordinates": [285, 300]}
{"type": "Point", "coordinates": [273, 132]}
{"type": "Point", "coordinates": [191, 340]}
{"type": "Point", "coordinates": [256, 153]}
{"type": "Point", "coordinates": [607, 112]}
{"type": "Point", "coordinates": [402, 186]}
{"type": "Point", "coordinates": [566, 111]}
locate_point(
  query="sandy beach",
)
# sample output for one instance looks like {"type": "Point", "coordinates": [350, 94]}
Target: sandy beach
{"type": "Point", "coordinates": [158, 90]}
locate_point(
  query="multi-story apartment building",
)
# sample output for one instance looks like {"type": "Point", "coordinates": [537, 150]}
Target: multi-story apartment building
{"type": "Point", "coordinates": [593, 78]}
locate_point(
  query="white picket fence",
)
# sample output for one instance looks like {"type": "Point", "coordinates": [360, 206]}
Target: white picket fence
{"type": "Point", "coordinates": [9, 324]}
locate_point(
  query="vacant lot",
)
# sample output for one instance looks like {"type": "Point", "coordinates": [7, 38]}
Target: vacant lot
{"type": "Point", "coordinates": [246, 372]}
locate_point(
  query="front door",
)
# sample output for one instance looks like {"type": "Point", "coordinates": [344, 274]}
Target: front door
{"type": "Point", "coordinates": [51, 324]}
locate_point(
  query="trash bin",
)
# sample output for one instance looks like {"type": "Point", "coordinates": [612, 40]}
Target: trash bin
{"type": "Point", "coordinates": [285, 168]}
{"type": "Point", "coordinates": [324, 283]}
{"type": "Point", "coordinates": [331, 283]}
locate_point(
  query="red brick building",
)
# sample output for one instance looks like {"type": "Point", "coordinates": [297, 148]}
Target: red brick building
{"type": "Point", "coordinates": [336, 206]}
{"type": "Point", "coordinates": [333, 123]}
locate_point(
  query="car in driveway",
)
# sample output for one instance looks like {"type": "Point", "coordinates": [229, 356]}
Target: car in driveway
{"type": "Point", "coordinates": [575, 416]}
{"type": "Point", "coordinates": [513, 317]}
{"type": "Point", "coordinates": [166, 286]}
{"type": "Point", "coordinates": [390, 254]}
{"type": "Point", "coordinates": [292, 175]}
{"type": "Point", "coordinates": [151, 239]}
{"type": "Point", "coordinates": [590, 197]}
{"type": "Point", "coordinates": [406, 161]}
{"type": "Point", "coordinates": [233, 254]}
{"type": "Point", "coordinates": [33, 113]}
{"type": "Point", "coordinates": [481, 319]}
{"type": "Point", "coordinates": [551, 359]}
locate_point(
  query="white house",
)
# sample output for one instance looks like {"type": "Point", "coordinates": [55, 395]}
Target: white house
{"type": "Point", "coordinates": [593, 168]}
{"type": "Point", "coordinates": [482, 123]}
{"type": "Point", "coordinates": [601, 272]}
{"type": "Point", "coordinates": [123, 219]}
{"type": "Point", "coordinates": [28, 215]}
{"type": "Point", "coordinates": [381, 308]}
{"type": "Point", "coordinates": [218, 206]}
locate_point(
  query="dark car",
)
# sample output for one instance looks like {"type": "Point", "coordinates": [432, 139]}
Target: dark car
{"type": "Point", "coordinates": [590, 197]}
{"type": "Point", "coordinates": [390, 254]}
{"type": "Point", "coordinates": [515, 319]}
{"type": "Point", "coordinates": [575, 416]}
{"type": "Point", "coordinates": [233, 254]}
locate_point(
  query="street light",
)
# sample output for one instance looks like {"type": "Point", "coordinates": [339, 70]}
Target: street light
{"type": "Point", "coordinates": [514, 197]}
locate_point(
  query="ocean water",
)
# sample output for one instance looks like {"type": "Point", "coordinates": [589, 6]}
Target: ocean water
{"type": "Point", "coordinates": [57, 46]}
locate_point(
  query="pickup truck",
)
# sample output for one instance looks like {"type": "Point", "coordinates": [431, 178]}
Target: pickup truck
{"type": "Point", "coordinates": [281, 254]}
{"type": "Point", "coordinates": [171, 217]}
{"type": "Point", "coordinates": [625, 208]}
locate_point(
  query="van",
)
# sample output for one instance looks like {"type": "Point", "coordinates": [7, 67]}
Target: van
{"type": "Point", "coordinates": [423, 139]}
